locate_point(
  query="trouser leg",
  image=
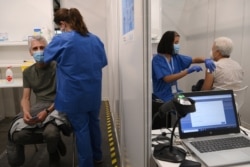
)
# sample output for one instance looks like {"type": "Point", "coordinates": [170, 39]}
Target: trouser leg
{"type": "Point", "coordinates": [95, 134]}
{"type": "Point", "coordinates": [15, 154]}
{"type": "Point", "coordinates": [80, 124]}
{"type": "Point", "coordinates": [15, 148]}
{"type": "Point", "coordinates": [27, 136]}
{"type": "Point", "coordinates": [51, 135]}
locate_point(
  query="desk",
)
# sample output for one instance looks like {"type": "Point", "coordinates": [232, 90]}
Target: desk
{"type": "Point", "coordinates": [17, 82]}
{"type": "Point", "coordinates": [189, 157]}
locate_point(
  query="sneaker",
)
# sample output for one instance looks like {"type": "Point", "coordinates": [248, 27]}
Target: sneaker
{"type": "Point", "coordinates": [61, 148]}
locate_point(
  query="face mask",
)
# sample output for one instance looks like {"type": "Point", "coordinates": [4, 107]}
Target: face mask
{"type": "Point", "coordinates": [62, 28]}
{"type": "Point", "coordinates": [211, 54]}
{"type": "Point", "coordinates": [176, 48]}
{"type": "Point", "coordinates": [38, 56]}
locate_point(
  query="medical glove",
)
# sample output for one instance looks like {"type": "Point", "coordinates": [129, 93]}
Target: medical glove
{"type": "Point", "coordinates": [193, 69]}
{"type": "Point", "coordinates": [210, 65]}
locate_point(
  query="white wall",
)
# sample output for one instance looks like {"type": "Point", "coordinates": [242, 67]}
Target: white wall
{"type": "Point", "coordinates": [200, 21]}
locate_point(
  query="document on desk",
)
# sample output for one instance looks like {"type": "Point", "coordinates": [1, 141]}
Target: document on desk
{"type": "Point", "coordinates": [212, 132]}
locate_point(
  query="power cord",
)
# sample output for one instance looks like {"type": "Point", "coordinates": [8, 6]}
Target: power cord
{"type": "Point", "coordinates": [244, 131]}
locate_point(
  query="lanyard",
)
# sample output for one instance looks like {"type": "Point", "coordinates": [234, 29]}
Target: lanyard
{"type": "Point", "coordinates": [171, 66]}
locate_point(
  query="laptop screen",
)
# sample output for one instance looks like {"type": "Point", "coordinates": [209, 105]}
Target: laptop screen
{"type": "Point", "coordinates": [215, 114]}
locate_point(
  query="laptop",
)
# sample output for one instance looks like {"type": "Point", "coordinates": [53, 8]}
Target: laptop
{"type": "Point", "coordinates": [215, 118]}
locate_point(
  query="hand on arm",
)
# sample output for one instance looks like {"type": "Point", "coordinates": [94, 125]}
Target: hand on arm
{"type": "Point", "coordinates": [209, 63]}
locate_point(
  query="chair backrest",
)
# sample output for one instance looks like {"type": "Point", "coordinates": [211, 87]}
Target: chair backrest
{"type": "Point", "coordinates": [157, 122]}
{"type": "Point", "coordinates": [239, 95]}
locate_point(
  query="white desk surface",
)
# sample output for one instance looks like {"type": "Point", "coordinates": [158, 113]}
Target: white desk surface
{"type": "Point", "coordinates": [189, 157]}
{"type": "Point", "coordinates": [17, 82]}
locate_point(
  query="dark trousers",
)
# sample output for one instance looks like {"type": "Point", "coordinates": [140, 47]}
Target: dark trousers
{"type": "Point", "coordinates": [15, 149]}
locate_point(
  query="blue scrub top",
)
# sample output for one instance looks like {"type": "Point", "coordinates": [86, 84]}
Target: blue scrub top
{"type": "Point", "coordinates": [80, 60]}
{"type": "Point", "coordinates": [160, 69]}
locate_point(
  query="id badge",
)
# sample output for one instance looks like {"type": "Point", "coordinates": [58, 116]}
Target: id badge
{"type": "Point", "coordinates": [174, 89]}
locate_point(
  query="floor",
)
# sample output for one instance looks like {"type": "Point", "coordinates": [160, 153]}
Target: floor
{"type": "Point", "coordinates": [39, 158]}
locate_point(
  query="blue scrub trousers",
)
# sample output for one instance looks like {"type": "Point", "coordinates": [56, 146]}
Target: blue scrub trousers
{"type": "Point", "coordinates": [87, 130]}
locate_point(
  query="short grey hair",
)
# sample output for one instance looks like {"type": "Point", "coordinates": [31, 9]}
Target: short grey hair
{"type": "Point", "coordinates": [36, 38]}
{"type": "Point", "coordinates": [224, 45]}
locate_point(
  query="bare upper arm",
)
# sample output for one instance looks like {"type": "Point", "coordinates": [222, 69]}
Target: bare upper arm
{"type": "Point", "coordinates": [208, 81]}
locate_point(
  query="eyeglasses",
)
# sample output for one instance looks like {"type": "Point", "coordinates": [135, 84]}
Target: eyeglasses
{"type": "Point", "coordinates": [36, 48]}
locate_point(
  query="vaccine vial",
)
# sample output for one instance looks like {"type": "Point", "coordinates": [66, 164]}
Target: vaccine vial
{"type": "Point", "coordinates": [37, 31]}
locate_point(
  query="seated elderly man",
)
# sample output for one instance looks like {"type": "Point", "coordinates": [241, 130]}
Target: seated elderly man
{"type": "Point", "coordinates": [228, 73]}
{"type": "Point", "coordinates": [38, 123]}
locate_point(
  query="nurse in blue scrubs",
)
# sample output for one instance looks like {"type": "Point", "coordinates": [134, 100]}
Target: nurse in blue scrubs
{"type": "Point", "coordinates": [80, 57]}
{"type": "Point", "coordinates": [168, 66]}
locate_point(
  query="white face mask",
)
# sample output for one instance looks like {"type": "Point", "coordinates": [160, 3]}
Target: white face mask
{"type": "Point", "coordinates": [211, 54]}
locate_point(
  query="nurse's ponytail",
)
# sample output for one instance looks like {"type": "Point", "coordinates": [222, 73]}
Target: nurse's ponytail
{"type": "Point", "coordinates": [76, 21]}
{"type": "Point", "coordinates": [73, 17]}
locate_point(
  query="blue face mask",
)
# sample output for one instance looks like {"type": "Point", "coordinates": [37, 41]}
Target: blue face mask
{"type": "Point", "coordinates": [176, 48]}
{"type": "Point", "coordinates": [38, 56]}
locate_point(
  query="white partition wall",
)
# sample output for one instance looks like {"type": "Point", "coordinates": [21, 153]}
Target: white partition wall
{"type": "Point", "coordinates": [130, 73]}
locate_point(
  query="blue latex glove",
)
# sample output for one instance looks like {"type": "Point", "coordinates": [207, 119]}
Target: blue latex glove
{"type": "Point", "coordinates": [193, 69]}
{"type": "Point", "coordinates": [209, 63]}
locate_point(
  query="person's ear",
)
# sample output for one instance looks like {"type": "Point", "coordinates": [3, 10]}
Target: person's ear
{"type": "Point", "coordinates": [31, 53]}
{"type": "Point", "coordinates": [62, 22]}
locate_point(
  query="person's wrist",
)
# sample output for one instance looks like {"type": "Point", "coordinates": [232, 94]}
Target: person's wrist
{"type": "Point", "coordinates": [47, 111]}
{"type": "Point", "coordinates": [189, 70]}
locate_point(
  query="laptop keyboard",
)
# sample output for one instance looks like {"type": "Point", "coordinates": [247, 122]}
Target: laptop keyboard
{"type": "Point", "coordinates": [221, 144]}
